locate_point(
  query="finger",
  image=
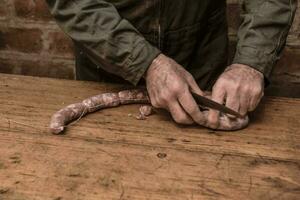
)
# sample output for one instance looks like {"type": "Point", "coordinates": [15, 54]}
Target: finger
{"type": "Point", "coordinates": [244, 104]}
{"type": "Point", "coordinates": [218, 95]}
{"type": "Point", "coordinates": [233, 102]}
{"type": "Point", "coordinates": [178, 114]}
{"type": "Point", "coordinates": [194, 86]}
{"type": "Point", "coordinates": [254, 101]}
{"type": "Point", "coordinates": [155, 101]}
{"type": "Point", "coordinates": [188, 103]}
{"type": "Point", "coordinates": [153, 96]}
{"type": "Point", "coordinates": [152, 100]}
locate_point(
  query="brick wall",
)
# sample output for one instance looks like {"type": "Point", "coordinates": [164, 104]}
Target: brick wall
{"type": "Point", "coordinates": [32, 44]}
{"type": "Point", "coordinates": [30, 41]}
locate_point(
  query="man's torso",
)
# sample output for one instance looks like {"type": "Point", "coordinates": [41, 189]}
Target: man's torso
{"type": "Point", "coordinates": [194, 33]}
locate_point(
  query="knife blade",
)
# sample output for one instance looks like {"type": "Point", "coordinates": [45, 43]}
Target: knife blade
{"type": "Point", "coordinates": [204, 101]}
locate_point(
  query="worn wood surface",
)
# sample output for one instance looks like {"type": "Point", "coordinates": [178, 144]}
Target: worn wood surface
{"type": "Point", "coordinates": [110, 155]}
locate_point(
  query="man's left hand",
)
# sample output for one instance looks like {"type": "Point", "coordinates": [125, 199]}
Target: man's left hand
{"type": "Point", "coordinates": [240, 87]}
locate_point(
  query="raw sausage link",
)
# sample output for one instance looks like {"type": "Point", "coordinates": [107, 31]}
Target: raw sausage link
{"type": "Point", "coordinates": [107, 100]}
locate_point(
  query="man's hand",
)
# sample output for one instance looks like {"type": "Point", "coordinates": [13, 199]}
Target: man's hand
{"type": "Point", "coordinates": [169, 86]}
{"type": "Point", "coordinates": [240, 87]}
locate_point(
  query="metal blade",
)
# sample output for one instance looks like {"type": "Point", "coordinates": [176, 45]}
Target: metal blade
{"type": "Point", "coordinates": [204, 101]}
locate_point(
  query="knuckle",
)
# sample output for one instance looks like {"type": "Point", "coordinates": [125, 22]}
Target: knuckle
{"type": "Point", "coordinates": [212, 121]}
{"type": "Point", "coordinates": [257, 90]}
{"type": "Point", "coordinates": [227, 84]}
{"type": "Point", "coordinates": [165, 97]}
{"type": "Point", "coordinates": [230, 83]}
{"type": "Point", "coordinates": [246, 88]}
{"type": "Point", "coordinates": [176, 88]}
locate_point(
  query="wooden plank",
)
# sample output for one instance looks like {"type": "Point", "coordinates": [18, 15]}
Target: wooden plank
{"type": "Point", "coordinates": [110, 155]}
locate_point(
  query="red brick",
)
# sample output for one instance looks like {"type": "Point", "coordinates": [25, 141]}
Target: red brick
{"type": "Point", "coordinates": [285, 80]}
{"type": "Point", "coordinates": [37, 68]}
{"type": "Point", "coordinates": [61, 45]}
{"type": "Point", "coordinates": [3, 10]}
{"type": "Point", "coordinates": [23, 40]}
{"type": "Point", "coordinates": [288, 66]}
{"type": "Point", "coordinates": [32, 9]}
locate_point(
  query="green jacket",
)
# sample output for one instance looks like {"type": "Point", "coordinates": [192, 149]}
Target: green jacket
{"type": "Point", "coordinates": [122, 37]}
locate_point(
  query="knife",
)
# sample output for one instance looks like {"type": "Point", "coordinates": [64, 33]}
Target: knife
{"type": "Point", "coordinates": [204, 101]}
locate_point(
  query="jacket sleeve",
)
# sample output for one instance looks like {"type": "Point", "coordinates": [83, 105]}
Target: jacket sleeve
{"type": "Point", "coordinates": [263, 32]}
{"type": "Point", "coordinates": [105, 37]}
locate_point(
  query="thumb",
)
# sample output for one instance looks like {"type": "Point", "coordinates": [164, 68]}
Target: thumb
{"type": "Point", "coordinates": [218, 95]}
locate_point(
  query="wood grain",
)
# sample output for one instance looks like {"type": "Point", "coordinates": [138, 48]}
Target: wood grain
{"type": "Point", "coordinates": [111, 155]}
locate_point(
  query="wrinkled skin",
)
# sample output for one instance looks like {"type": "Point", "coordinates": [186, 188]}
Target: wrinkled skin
{"type": "Point", "coordinates": [169, 86]}
{"type": "Point", "coordinates": [240, 87]}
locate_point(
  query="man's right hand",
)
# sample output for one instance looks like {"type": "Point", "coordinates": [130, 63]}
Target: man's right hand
{"type": "Point", "coordinates": [169, 86]}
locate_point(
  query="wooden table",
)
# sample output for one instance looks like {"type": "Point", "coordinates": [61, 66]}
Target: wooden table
{"type": "Point", "coordinates": [111, 155]}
